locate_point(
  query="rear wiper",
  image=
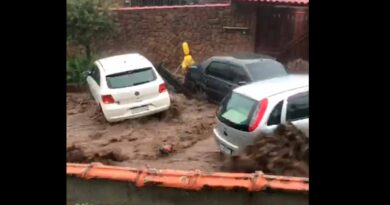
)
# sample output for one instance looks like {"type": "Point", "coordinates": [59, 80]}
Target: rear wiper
{"type": "Point", "coordinates": [141, 83]}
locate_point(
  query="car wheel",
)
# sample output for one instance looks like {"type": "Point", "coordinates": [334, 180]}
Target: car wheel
{"type": "Point", "coordinates": [190, 85]}
{"type": "Point", "coordinates": [104, 116]}
{"type": "Point", "coordinates": [221, 155]}
{"type": "Point", "coordinates": [209, 98]}
{"type": "Point", "coordinates": [200, 93]}
{"type": "Point", "coordinates": [162, 115]}
{"type": "Point", "coordinates": [204, 96]}
{"type": "Point", "coordinates": [91, 96]}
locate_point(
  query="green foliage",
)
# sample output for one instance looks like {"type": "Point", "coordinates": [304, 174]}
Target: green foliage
{"type": "Point", "coordinates": [77, 68]}
{"type": "Point", "coordinates": [89, 20]}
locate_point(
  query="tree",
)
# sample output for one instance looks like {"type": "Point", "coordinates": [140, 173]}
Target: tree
{"type": "Point", "coordinates": [88, 20]}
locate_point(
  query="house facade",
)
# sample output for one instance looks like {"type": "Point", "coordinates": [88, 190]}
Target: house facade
{"type": "Point", "coordinates": [275, 27]}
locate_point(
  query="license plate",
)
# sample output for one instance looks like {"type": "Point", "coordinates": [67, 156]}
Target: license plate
{"type": "Point", "coordinates": [139, 109]}
{"type": "Point", "coordinates": [225, 149]}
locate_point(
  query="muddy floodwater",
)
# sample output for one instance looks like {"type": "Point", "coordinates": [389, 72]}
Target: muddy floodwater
{"type": "Point", "coordinates": [187, 125]}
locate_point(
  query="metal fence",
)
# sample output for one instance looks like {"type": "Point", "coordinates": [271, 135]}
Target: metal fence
{"type": "Point", "coordinates": [141, 3]}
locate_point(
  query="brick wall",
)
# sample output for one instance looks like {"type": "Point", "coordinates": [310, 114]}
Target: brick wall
{"type": "Point", "coordinates": [159, 33]}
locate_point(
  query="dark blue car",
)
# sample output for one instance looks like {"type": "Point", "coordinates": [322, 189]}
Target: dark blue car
{"type": "Point", "coordinates": [218, 75]}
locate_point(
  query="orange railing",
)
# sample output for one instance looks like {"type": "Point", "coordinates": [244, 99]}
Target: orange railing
{"type": "Point", "coordinates": [189, 180]}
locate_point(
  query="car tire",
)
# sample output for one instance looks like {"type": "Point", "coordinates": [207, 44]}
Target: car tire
{"type": "Point", "coordinates": [205, 96]}
{"type": "Point", "coordinates": [162, 115]}
{"type": "Point", "coordinates": [200, 93]}
{"type": "Point", "coordinates": [104, 116]}
{"type": "Point", "coordinates": [91, 96]}
{"type": "Point", "coordinates": [221, 155]}
{"type": "Point", "coordinates": [209, 99]}
{"type": "Point", "coordinates": [190, 85]}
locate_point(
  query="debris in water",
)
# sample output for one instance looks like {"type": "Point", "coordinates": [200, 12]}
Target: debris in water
{"type": "Point", "coordinates": [286, 152]}
{"type": "Point", "coordinates": [166, 149]}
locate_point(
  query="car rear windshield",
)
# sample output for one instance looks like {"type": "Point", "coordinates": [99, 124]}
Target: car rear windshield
{"type": "Point", "coordinates": [266, 69]}
{"type": "Point", "coordinates": [130, 78]}
{"type": "Point", "coordinates": [236, 111]}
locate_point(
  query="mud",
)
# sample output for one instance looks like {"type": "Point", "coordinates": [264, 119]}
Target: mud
{"type": "Point", "coordinates": [187, 126]}
{"type": "Point", "coordinates": [285, 152]}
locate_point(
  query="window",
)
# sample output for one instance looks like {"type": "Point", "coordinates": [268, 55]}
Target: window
{"type": "Point", "coordinates": [220, 70]}
{"type": "Point", "coordinates": [96, 74]}
{"type": "Point", "coordinates": [298, 107]}
{"type": "Point", "coordinates": [238, 74]}
{"type": "Point", "coordinates": [236, 111]}
{"type": "Point", "coordinates": [131, 78]}
{"type": "Point", "coordinates": [276, 114]}
{"type": "Point", "coordinates": [265, 69]}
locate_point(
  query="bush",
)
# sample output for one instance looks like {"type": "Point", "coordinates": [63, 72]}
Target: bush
{"type": "Point", "coordinates": [76, 69]}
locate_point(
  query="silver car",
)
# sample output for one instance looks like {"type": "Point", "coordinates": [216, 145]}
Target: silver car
{"type": "Point", "coordinates": [260, 107]}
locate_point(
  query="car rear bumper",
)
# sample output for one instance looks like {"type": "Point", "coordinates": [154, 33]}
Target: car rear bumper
{"type": "Point", "coordinates": [222, 144]}
{"type": "Point", "coordinates": [115, 113]}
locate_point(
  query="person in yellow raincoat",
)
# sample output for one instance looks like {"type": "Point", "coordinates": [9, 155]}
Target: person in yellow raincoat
{"type": "Point", "coordinates": [188, 60]}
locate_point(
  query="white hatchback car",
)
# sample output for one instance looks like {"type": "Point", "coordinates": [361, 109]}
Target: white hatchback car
{"type": "Point", "coordinates": [261, 107]}
{"type": "Point", "coordinates": [127, 86]}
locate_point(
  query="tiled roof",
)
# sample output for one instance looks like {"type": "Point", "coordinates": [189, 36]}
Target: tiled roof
{"type": "Point", "coordinates": [299, 2]}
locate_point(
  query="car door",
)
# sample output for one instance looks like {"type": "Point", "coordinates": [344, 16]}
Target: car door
{"type": "Point", "coordinates": [218, 80]}
{"type": "Point", "coordinates": [93, 81]}
{"type": "Point", "coordinates": [240, 76]}
{"type": "Point", "coordinates": [297, 111]}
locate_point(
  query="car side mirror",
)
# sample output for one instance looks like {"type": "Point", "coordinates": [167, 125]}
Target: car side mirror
{"type": "Point", "coordinates": [87, 73]}
{"type": "Point", "coordinates": [242, 83]}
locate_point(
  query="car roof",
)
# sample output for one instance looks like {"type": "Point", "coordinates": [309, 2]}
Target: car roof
{"type": "Point", "coordinates": [243, 59]}
{"type": "Point", "coordinates": [266, 88]}
{"type": "Point", "coordinates": [123, 63]}
{"type": "Point", "coordinates": [251, 56]}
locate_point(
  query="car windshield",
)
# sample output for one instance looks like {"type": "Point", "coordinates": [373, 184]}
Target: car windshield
{"type": "Point", "coordinates": [266, 69]}
{"type": "Point", "coordinates": [236, 111]}
{"type": "Point", "coordinates": [130, 78]}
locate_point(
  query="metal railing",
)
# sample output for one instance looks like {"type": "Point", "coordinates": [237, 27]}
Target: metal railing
{"type": "Point", "coordinates": [143, 3]}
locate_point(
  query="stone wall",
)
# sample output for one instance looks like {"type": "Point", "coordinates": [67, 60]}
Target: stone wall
{"type": "Point", "coordinates": [159, 33]}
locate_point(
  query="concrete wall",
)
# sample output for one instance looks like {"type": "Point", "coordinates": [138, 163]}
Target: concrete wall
{"type": "Point", "coordinates": [104, 192]}
{"type": "Point", "coordinates": [159, 33]}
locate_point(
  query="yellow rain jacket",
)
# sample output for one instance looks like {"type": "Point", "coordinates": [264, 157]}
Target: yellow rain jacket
{"type": "Point", "coordinates": [187, 61]}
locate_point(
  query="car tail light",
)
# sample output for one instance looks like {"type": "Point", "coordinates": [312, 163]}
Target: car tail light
{"type": "Point", "coordinates": [258, 115]}
{"type": "Point", "coordinates": [108, 99]}
{"type": "Point", "coordinates": [162, 88]}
